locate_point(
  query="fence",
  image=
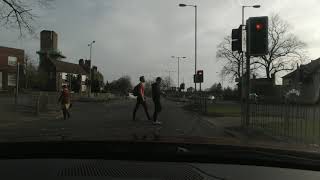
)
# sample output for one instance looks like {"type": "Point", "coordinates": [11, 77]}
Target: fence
{"type": "Point", "coordinates": [300, 123]}
{"type": "Point", "coordinates": [200, 102]}
{"type": "Point", "coordinates": [36, 102]}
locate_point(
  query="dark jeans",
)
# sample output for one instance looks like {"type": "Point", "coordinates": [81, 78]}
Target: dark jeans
{"type": "Point", "coordinates": [144, 104]}
{"type": "Point", "coordinates": [157, 108]}
{"type": "Point", "coordinates": [65, 111]}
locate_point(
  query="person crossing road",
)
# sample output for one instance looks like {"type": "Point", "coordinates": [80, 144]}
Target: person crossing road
{"type": "Point", "coordinates": [156, 100]}
{"type": "Point", "coordinates": [139, 92]}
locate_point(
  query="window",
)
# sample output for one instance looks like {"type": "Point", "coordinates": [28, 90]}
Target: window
{"type": "Point", "coordinates": [11, 79]}
{"type": "Point", "coordinates": [64, 76]}
{"type": "Point", "coordinates": [83, 88]}
{"type": "Point", "coordinates": [83, 78]}
{"type": "Point", "coordinates": [12, 61]}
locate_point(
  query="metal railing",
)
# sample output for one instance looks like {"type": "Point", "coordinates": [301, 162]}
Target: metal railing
{"type": "Point", "coordinates": [297, 122]}
{"type": "Point", "coordinates": [200, 101]}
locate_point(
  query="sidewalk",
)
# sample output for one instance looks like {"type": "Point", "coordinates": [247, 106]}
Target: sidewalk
{"type": "Point", "coordinates": [231, 127]}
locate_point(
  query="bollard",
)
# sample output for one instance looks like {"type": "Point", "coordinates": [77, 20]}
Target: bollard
{"type": "Point", "coordinates": [38, 105]}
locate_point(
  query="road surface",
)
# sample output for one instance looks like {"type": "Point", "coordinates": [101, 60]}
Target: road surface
{"type": "Point", "coordinates": [112, 120]}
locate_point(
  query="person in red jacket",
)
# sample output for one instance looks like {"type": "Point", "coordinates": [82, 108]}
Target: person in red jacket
{"type": "Point", "coordinates": [141, 99]}
{"type": "Point", "coordinates": [65, 101]}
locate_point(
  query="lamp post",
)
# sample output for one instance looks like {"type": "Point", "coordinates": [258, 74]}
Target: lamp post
{"type": "Point", "coordinates": [178, 58]}
{"type": "Point", "coordinates": [90, 79]}
{"type": "Point", "coordinates": [195, 39]}
{"type": "Point", "coordinates": [169, 83]}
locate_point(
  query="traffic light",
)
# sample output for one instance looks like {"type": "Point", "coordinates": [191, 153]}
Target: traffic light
{"type": "Point", "coordinates": [182, 86]}
{"type": "Point", "coordinates": [200, 76]}
{"type": "Point", "coordinates": [236, 36]}
{"type": "Point", "coordinates": [257, 41]}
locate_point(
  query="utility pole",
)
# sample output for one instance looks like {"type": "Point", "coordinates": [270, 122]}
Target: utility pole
{"type": "Point", "coordinates": [178, 58]}
{"type": "Point", "coordinates": [90, 78]}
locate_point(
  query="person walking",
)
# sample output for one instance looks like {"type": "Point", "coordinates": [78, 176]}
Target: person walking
{"type": "Point", "coordinates": [156, 100]}
{"type": "Point", "coordinates": [139, 92]}
{"type": "Point", "coordinates": [65, 101]}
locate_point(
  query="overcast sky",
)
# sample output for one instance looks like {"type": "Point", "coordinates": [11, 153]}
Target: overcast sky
{"type": "Point", "coordinates": [138, 37]}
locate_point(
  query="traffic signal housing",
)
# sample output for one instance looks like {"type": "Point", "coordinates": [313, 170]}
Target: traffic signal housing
{"type": "Point", "coordinates": [257, 31]}
{"type": "Point", "coordinates": [236, 36]}
{"type": "Point", "coordinates": [182, 86]}
{"type": "Point", "coordinates": [200, 76]}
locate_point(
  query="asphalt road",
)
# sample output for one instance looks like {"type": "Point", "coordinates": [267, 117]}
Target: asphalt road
{"type": "Point", "coordinates": [112, 120]}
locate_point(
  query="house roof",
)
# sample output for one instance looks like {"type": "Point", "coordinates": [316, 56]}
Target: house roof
{"type": "Point", "coordinates": [13, 49]}
{"type": "Point", "coordinates": [307, 69]}
{"type": "Point", "coordinates": [62, 66]}
{"type": "Point", "coordinates": [290, 74]}
{"type": "Point", "coordinates": [54, 53]}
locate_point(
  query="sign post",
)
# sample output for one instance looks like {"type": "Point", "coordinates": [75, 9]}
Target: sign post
{"type": "Point", "coordinates": [17, 83]}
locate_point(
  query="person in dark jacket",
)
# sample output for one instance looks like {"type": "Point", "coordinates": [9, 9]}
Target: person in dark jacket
{"type": "Point", "coordinates": [156, 100]}
{"type": "Point", "coordinates": [141, 99]}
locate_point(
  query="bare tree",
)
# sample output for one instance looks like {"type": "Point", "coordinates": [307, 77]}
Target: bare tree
{"type": "Point", "coordinates": [166, 82]}
{"type": "Point", "coordinates": [19, 14]}
{"type": "Point", "coordinates": [232, 65]}
{"type": "Point", "coordinates": [285, 49]}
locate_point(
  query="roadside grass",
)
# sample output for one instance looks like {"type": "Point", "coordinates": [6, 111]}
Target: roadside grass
{"type": "Point", "coordinates": [300, 129]}
{"type": "Point", "coordinates": [220, 110]}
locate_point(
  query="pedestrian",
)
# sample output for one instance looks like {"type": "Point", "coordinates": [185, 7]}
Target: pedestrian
{"type": "Point", "coordinates": [65, 101]}
{"type": "Point", "coordinates": [156, 99]}
{"type": "Point", "coordinates": [141, 99]}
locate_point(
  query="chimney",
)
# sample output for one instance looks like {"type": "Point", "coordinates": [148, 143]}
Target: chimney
{"type": "Point", "coordinates": [81, 62]}
{"type": "Point", "coordinates": [87, 63]}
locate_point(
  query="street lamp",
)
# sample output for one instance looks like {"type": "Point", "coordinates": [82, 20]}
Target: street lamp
{"type": "Point", "coordinates": [195, 39]}
{"type": "Point", "coordinates": [90, 45]}
{"type": "Point", "coordinates": [178, 58]}
{"type": "Point", "coordinates": [254, 6]}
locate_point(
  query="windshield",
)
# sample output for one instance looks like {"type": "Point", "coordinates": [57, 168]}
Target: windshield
{"type": "Point", "coordinates": [179, 71]}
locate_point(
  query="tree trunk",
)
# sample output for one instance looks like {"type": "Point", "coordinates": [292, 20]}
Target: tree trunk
{"type": "Point", "coordinates": [268, 72]}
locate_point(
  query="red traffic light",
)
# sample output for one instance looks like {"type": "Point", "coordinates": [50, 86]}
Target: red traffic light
{"type": "Point", "coordinates": [200, 72]}
{"type": "Point", "coordinates": [259, 26]}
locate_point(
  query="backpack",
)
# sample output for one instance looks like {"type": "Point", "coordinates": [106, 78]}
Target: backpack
{"type": "Point", "coordinates": [136, 90]}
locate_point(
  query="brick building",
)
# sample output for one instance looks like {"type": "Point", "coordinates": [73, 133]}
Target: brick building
{"type": "Point", "coordinates": [9, 57]}
{"type": "Point", "coordinates": [56, 72]}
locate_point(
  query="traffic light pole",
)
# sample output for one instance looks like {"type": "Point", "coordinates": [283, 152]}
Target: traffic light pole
{"type": "Point", "coordinates": [195, 44]}
{"type": "Point", "coordinates": [247, 90]}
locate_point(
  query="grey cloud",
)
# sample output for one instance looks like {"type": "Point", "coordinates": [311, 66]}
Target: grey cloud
{"type": "Point", "coordinates": [137, 37]}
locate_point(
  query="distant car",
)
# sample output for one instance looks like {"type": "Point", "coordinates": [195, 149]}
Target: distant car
{"type": "Point", "coordinates": [131, 96]}
{"type": "Point", "coordinates": [254, 97]}
{"type": "Point", "coordinates": [211, 98]}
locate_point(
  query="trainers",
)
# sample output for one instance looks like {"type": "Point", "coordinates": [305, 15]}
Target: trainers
{"type": "Point", "coordinates": [157, 123]}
